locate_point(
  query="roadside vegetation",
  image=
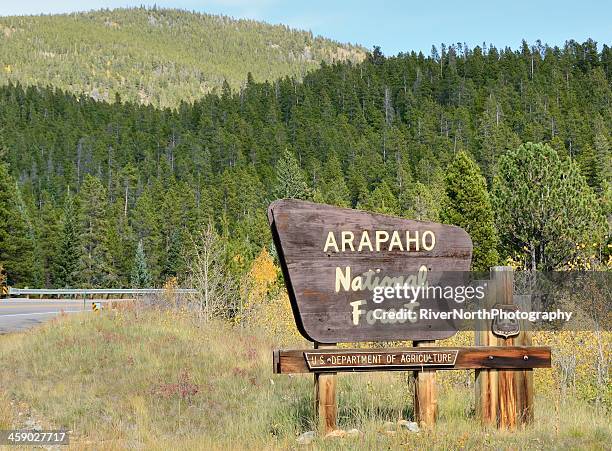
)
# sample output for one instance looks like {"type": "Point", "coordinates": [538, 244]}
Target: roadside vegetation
{"type": "Point", "coordinates": [161, 379]}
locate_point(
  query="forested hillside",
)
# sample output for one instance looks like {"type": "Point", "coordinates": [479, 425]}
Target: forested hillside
{"type": "Point", "coordinates": [155, 56]}
{"type": "Point", "coordinates": [425, 137]}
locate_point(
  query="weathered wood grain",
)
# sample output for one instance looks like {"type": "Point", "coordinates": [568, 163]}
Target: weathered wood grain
{"type": "Point", "coordinates": [504, 397]}
{"type": "Point", "coordinates": [478, 357]}
{"type": "Point", "coordinates": [425, 393]}
{"type": "Point", "coordinates": [486, 386]}
{"type": "Point", "coordinates": [524, 378]}
{"type": "Point", "coordinates": [326, 403]}
{"type": "Point", "coordinates": [503, 280]}
{"type": "Point", "coordinates": [300, 230]}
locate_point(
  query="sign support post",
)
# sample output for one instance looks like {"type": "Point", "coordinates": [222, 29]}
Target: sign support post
{"type": "Point", "coordinates": [524, 378]}
{"type": "Point", "coordinates": [326, 403]}
{"type": "Point", "coordinates": [425, 393]}
{"type": "Point", "coordinates": [486, 379]}
{"type": "Point", "coordinates": [504, 397]}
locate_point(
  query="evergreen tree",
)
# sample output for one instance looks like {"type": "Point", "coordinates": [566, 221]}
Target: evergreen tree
{"type": "Point", "coordinates": [419, 202]}
{"type": "Point", "coordinates": [95, 263]}
{"type": "Point", "coordinates": [49, 235]}
{"type": "Point", "coordinates": [545, 210]}
{"type": "Point", "coordinates": [121, 244]}
{"type": "Point", "coordinates": [147, 225]}
{"type": "Point", "coordinates": [333, 189]}
{"type": "Point", "coordinates": [140, 278]}
{"type": "Point", "coordinates": [172, 261]}
{"type": "Point", "coordinates": [17, 251]}
{"type": "Point", "coordinates": [603, 154]}
{"type": "Point", "coordinates": [290, 179]}
{"type": "Point", "coordinates": [467, 205]}
{"type": "Point", "coordinates": [69, 250]}
{"type": "Point", "coordinates": [590, 166]}
{"type": "Point", "coordinates": [381, 200]}
{"type": "Point", "coordinates": [36, 262]}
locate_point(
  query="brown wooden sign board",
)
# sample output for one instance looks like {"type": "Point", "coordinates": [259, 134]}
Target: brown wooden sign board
{"type": "Point", "coordinates": [328, 256]}
{"type": "Point", "coordinates": [432, 358]}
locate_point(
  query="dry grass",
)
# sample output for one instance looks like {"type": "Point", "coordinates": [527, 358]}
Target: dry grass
{"type": "Point", "coordinates": [155, 380]}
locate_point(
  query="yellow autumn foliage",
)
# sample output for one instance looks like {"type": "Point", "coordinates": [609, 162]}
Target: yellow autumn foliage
{"type": "Point", "coordinates": [581, 364]}
{"type": "Point", "coordinates": [260, 279]}
{"type": "Point", "coordinates": [265, 301]}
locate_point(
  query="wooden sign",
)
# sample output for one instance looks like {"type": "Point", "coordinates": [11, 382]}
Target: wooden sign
{"type": "Point", "coordinates": [334, 260]}
{"type": "Point", "coordinates": [379, 359]}
{"type": "Point", "coordinates": [433, 358]}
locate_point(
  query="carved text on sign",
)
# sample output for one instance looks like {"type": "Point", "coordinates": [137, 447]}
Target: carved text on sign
{"type": "Point", "coordinates": [379, 359]}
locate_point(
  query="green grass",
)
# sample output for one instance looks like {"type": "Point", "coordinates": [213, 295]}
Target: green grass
{"type": "Point", "coordinates": [158, 381]}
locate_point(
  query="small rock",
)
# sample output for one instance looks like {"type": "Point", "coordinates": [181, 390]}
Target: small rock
{"type": "Point", "coordinates": [337, 433]}
{"type": "Point", "coordinates": [305, 438]}
{"type": "Point", "coordinates": [353, 433]}
{"type": "Point", "coordinates": [408, 425]}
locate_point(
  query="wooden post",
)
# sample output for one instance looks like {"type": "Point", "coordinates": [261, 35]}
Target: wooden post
{"type": "Point", "coordinates": [503, 277]}
{"type": "Point", "coordinates": [524, 378]}
{"type": "Point", "coordinates": [504, 397]}
{"type": "Point", "coordinates": [425, 399]}
{"type": "Point", "coordinates": [486, 380]}
{"type": "Point", "coordinates": [326, 404]}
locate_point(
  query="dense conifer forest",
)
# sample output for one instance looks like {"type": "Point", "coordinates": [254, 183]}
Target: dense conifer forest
{"type": "Point", "coordinates": [155, 56]}
{"type": "Point", "coordinates": [441, 137]}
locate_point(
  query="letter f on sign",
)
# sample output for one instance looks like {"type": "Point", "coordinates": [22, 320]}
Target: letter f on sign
{"type": "Point", "coordinates": [357, 312]}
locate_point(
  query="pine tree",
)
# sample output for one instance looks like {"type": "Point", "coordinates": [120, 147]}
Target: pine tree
{"type": "Point", "coordinates": [96, 268]}
{"type": "Point", "coordinates": [467, 205]}
{"type": "Point", "coordinates": [290, 179]}
{"type": "Point", "coordinates": [35, 262]}
{"type": "Point", "coordinates": [590, 167]}
{"type": "Point", "coordinates": [49, 235]}
{"type": "Point", "coordinates": [603, 155]}
{"type": "Point", "coordinates": [419, 202]}
{"type": "Point", "coordinates": [172, 261]}
{"type": "Point", "coordinates": [140, 278]}
{"type": "Point", "coordinates": [17, 252]}
{"type": "Point", "coordinates": [147, 226]}
{"type": "Point", "coordinates": [69, 251]}
{"type": "Point", "coordinates": [381, 200]}
{"type": "Point", "coordinates": [333, 189]}
{"type": "Point", "coordinates": [545, 210]}
{"type": "Point", "coordinates": [121, 245]}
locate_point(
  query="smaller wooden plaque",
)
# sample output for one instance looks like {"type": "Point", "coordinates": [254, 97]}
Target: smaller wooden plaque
{"type": "Point", "coordinates": [382, 360]}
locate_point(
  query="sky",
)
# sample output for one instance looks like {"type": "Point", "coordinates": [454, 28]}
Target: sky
{"type": "Point", "coordinates": [393, 25]}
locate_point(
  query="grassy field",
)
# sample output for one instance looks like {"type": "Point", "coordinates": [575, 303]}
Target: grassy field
{"type": "Point", "coordinates": [155, 380]}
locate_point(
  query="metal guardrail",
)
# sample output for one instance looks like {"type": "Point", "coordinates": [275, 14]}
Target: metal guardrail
{"type": "Point", "coordinates": [93, 291]}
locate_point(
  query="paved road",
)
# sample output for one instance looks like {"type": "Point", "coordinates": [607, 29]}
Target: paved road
{"type": "Point", "coordinates": [21, 314]}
